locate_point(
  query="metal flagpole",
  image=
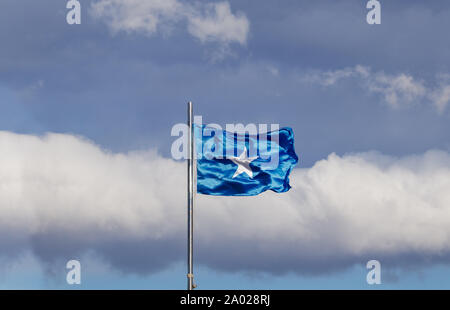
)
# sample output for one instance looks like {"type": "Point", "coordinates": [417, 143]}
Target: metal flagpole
{"type": "Point", "coordinates": [190, 197]}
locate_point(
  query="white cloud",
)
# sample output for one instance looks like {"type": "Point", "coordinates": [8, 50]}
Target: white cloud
{"type": "Point", "coordinates": [441, 97]}
{"type": "Point", "coordinates": [210, 22]}
{"type": "Point", "coordinates": [397, 90]}
{"type": "Point", "coordinates": [219, 24]}
{"type": "Point", "coordinates": [273, 70]}
{"type": "Point", "coordinates": [137, 15]}
{"type": "Point", "coordinates": [330, 78]}
{"type": "Point", "coordinates": [61, 195]}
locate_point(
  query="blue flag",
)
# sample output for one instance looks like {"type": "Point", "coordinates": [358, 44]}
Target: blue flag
{"type": "Point", "coordinates": [231, 164]}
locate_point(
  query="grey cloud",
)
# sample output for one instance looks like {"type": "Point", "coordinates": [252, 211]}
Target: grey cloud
{"type": "Point", "coordinates": [207, 22]}
{"type": "Point", "coordinates": [63, 196]}
{"type": "Point", "coordinates": [397, 90]}
{"type": "Point", "coordinates": [334, 34]}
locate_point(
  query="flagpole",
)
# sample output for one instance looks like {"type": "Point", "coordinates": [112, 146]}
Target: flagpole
{"type": "Point", "coordinates": [190, 197]}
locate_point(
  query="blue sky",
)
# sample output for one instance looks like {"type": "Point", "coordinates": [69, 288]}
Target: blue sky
{"type": "Point", "coordinates": [121, 80]}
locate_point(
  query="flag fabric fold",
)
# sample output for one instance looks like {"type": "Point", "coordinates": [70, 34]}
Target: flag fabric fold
{"type": "Point", "coordinates": [229, 164]}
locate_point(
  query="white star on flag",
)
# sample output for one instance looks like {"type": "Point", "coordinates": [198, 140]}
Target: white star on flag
{"type": "Point", "coordinates": [243, 163]}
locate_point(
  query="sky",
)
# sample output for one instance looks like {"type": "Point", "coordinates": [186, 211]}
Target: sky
{"type": "Point", "coordinates": [85, 133]}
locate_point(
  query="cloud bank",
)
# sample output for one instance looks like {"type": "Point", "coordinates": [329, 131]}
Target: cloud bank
{"type": "Point", "coordinates": [397, 90]}
{"type": "Point", "coordinates": [210, 22]}
{"type": "Point", "coordinates": [62, 196]}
